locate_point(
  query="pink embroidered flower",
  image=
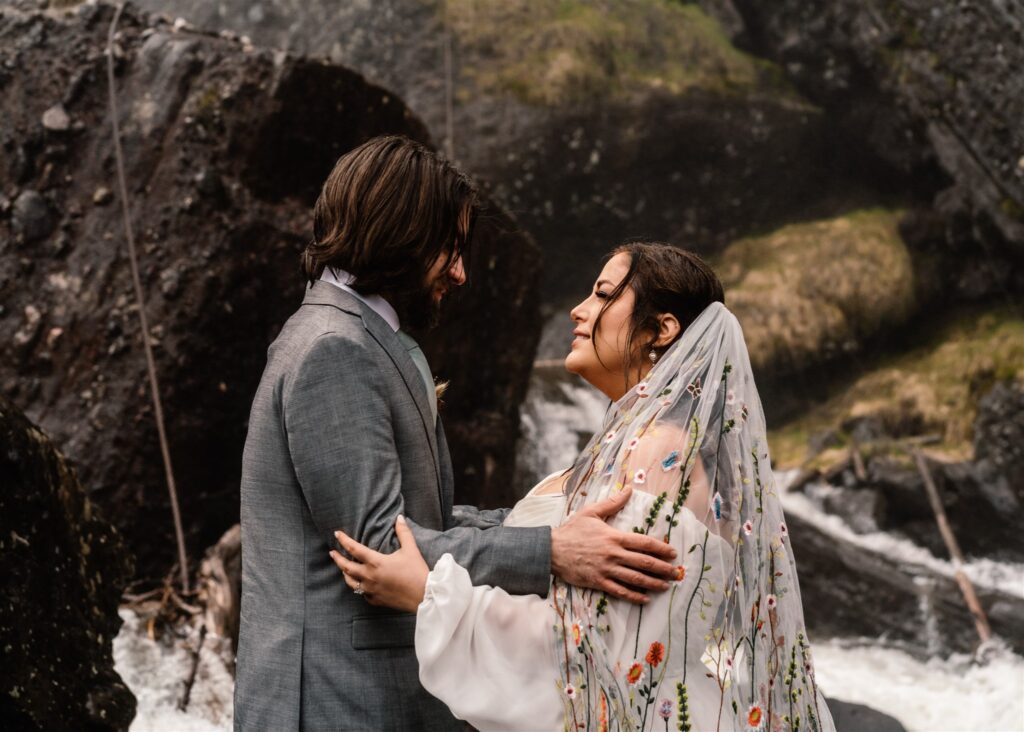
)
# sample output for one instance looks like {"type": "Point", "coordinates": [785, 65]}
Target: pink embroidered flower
{"type": "Point", "coordinates": [609, 437]}
{"type": "Point", "coordinates": [665, 709]}
{"type": "Point", "coordinates": [748, 527]}
{"type": "Point", "coordinates": [730, 397]}
{"type": "Point", "coordinates": [694, 388]}
{"type": "Point", "coordinates": [755, 716]}
{"type": "Point", "coordinates": [635, 674]}
{"type": "Point", "coordinates": [640, 477]}
{"type": "Point", "coordinates": [771, 601]}
{"type": "Point", "coordinates": [783, 530]}
{"type": "Point", "coordinates": [728, 662]}
{"type": "Point", "coordinates": [633, 443]}
{"type": "Point", "coordinates": [570, 691]}
{"type": "Point", "coordinates": [642, 390]}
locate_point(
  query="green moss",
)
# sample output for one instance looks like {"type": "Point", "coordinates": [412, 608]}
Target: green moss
{"type": "Point", "coordinates": [932, 388]}
{"type": "Point", "coordinates": [549, 52]}
{"type": "Point", "coordinates": [1012, 208]}
{"type": "Point", "coordinates": [811, 292]}
{"type": "Point", "coordinates": [207, 104]}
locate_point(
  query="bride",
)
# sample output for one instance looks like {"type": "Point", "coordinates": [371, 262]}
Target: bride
{"type": "Point", "coordinates": [724, 647]}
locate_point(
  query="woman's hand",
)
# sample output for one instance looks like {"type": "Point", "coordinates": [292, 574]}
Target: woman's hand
{"type": "Point", "coordinates": [393, 580]}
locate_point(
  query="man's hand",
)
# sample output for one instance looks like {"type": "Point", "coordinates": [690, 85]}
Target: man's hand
{"type": "Point", "coordinates": [587, 552]}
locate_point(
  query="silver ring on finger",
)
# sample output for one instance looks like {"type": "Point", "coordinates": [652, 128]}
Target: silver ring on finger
{"type": "Point", "coordinates": [359, 589]}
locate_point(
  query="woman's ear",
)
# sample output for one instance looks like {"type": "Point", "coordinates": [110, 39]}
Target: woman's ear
{"type": "Point", "coordinates": [668, 329]}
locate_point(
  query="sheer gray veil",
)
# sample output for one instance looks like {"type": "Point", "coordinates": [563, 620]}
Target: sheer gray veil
{"type": "Point", "coordinates": [725, 647]}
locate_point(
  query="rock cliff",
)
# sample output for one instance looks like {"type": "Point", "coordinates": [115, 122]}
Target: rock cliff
{"type": "Point", "coordinates": [226, 146]}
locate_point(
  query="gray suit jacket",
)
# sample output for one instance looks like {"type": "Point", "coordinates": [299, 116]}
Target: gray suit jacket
{"type": "Point", "coordinates": [340, 437]}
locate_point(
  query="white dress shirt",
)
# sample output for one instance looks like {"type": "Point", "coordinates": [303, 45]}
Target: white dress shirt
{"type": "Point", "coordinates": [342, 279]}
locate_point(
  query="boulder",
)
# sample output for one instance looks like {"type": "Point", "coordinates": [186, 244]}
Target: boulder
{"type": "Point", "coordinates": [226, 147]}
{"type": "Point", "coordinates": [813, 293]}
{"type": "Point", "coordinates": [64, 569]}
{"type": "Point", "coordinates": [849, 717]}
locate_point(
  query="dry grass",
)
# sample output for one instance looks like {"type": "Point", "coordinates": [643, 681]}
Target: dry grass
{"type": "Point", "coordinates": [931, 389]}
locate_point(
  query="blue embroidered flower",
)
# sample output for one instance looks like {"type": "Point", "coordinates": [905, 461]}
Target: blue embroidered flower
{"type": "Point", "coordinates": [716, 504]}
{"type": "Point", "coordinates": [670, 461]}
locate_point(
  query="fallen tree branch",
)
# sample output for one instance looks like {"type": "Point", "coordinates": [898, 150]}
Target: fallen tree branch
{"type": "Point", "coordinates": [966, 588]}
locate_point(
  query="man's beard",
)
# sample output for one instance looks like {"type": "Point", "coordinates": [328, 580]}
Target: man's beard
{"type": "Point", "coordinates": [419, 311]}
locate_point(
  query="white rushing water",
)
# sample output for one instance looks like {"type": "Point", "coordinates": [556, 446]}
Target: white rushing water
{"type": "Point", "coordinates": [951, 695]}
{"type": "Point", "coordinates": [156, 670]}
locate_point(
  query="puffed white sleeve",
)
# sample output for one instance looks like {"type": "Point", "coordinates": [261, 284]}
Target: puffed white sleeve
{"type": "Point", "coordinates": [486, 654]}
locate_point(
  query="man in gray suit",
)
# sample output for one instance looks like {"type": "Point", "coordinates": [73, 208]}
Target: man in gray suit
{"type": "Point", "coordinates": [344, 434]}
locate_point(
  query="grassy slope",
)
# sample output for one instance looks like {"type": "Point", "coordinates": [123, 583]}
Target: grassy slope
{"type": "Point", "coordinates": [932, 388]}
{"type": "Point", "coordinates": [554, 52]}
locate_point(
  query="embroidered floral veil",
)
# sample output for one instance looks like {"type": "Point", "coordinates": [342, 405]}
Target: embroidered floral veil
{"type": "Point", "coordinates": [725, 647]}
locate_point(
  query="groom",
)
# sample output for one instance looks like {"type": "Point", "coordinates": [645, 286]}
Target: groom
{"type": "Point", "coordinates": [344, 434]}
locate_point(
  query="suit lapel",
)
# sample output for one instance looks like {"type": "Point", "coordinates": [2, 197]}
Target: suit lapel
{"type": "Point", "coordinates": [322, 293]}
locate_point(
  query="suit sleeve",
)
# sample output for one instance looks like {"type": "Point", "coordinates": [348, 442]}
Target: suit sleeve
{"type": "Point", "coordinates": [340, 436]}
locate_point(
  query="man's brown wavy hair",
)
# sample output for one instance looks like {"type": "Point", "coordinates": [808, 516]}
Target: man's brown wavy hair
{"type": "Point", "coordinates": [388, 211]}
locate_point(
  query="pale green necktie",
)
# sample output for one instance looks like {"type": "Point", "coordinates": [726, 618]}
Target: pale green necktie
{"type": "Point", "coordinates": [416, 354]}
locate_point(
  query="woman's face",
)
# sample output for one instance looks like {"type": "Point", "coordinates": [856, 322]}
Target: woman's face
{"type": "Point", "coordinates": [609, 372]}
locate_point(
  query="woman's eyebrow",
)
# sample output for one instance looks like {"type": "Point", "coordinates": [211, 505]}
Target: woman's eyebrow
{"type": "Point", "coordinates": [599, 283]}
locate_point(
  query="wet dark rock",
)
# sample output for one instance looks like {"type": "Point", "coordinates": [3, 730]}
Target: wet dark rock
{"type": "Point", "coordinates": [851, 592]}
{"type": "Point", "coordinates": [246, 137]}
{"type": "Point", "coordinates": [999, 446]}
{"type": "Point", "coordinates": [850, 717]}
{"type": "Point", "coordinates": [863, 509]}
{"type": "Point", "coordinates": [33, 218]}
{"type": "Point", "coordinates": [64, 569]}
{"type": "Point", "coordinates": [931, 90]}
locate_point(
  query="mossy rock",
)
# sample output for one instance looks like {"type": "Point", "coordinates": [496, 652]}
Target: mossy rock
{"type": "Point", "coordinates": [555, 52]}
{"type": "Point", "coordinates": [933, 388]}
{"type": "Point", "coordinates": [809, 293]}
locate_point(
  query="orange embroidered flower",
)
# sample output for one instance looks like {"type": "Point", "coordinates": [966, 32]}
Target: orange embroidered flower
{"type": "Point", "coordinates": [603, 725]}
{"type": "Point", "coordinates": [576, 633]}
{"type": "Point", "coordinates": [755, 716]}
{"type": "Point", "coordinates": [655, 654]}
{"type": "Point", "coordinates": [680, 573]}
{"type": "Point", "coordinates": [635, 674]}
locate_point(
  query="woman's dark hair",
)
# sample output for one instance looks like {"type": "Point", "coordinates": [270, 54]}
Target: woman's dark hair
{"type": "Point", "coordinates": [664, 279]}
{"type": "Point", "coordinates": [389, 209]}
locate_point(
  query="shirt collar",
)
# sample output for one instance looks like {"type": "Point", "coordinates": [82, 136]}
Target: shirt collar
{"type": "Point", "coordinates": [343, 280]}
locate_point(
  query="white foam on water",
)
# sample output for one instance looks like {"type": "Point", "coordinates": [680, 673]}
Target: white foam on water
{"type": "Point", "coordinates": [1007, 577]}
{"type": "Point", "coordinates": [951, 695]}
{"type": "Point", "coordinates": [156, 670]}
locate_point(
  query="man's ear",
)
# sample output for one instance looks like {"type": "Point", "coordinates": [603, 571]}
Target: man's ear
{"type": "Point", "coordinates": [668, 329]}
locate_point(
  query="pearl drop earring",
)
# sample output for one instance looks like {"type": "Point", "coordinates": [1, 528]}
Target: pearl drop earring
{"type": "Point", "coordinates": [653, 356]}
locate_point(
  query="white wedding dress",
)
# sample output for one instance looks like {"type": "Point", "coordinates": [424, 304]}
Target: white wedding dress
{"type": "Point", "coordinates": [490, 657]}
